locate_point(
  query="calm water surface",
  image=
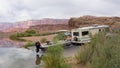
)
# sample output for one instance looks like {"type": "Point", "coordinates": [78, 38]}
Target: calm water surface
{"type": "Point", "coordinates": [12, 56]}
{"type": "Point", "coordinates": [9, 43]}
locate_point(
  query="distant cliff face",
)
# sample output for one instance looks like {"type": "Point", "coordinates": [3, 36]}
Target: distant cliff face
{"type": "Point", "coordinates": [113, 22]}
{"type": "Point", "coordinates": [52, 21]}
{"type": "Point", "coordinates": [15, 27]}
{"type": "Point", "coordinates": [24, 25]}
{"type": "Point", "coordinates": [50, 27]}
{"type": "Point", "coordinates": [46, 25]}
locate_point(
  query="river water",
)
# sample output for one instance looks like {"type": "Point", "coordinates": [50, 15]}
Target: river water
{"type": "Point", "coordinates": [12, 56]}
{"type": "Point", "coordinates": [9, 43]}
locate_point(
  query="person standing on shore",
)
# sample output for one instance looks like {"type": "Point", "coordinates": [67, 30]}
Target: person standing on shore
{"type": "Point", "coordinates": [38, 45]}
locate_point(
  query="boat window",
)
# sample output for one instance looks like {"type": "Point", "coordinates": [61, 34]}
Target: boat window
{"type": "Point", "coordinates": [85, 33]}
{"type": "Point", "coordinates": [75, 33]}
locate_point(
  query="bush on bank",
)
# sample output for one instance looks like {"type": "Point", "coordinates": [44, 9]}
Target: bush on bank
{"type": "Point", "coordinates": [28, 44]}
{"type": "Point", "coordinates": [59, 36]}
{"type": "Point", "coordinates": [54, 59]}
{"type": "Point", "coordinates": [102, 52]}
{"type": "Point", "coordinates": [30, 33]}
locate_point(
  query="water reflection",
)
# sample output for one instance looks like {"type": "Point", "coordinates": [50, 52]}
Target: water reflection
{"type": "Point", "coordinates": [9, 43]}
{"type": "Point", "coordinates": [17, 58]}
{"type": "Point", "coordinates": [38, 61]}
{"type": "Point", "coordinates": [12, 57]}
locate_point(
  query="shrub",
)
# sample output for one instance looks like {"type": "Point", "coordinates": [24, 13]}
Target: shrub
{"type": "Point", "coordinates": [43, 40]}
{"type": "Point", "coordinates": [14, 37]}
{"type": "Point", "coordinates": [53, 58]}
{"type": "Point", "coordinates": [27, 33]}
{"type": "Point", "coordinates": [59, 36]}
{"type": "Point", "coordinates": [55, 39]}
{"type": "Point", "coordinates": [30, 31]}
{"type": "Point", "coordinates": [28, 44]}
{"type": "Point", "coordinates": [102, 52]}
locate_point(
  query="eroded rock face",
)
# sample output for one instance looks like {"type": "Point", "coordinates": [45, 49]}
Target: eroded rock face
{"type": "Point", "coordinates": [113, 22]}
{"type": "Point", "coordinates": [50, 27]}
{"type": "Point", "coordinates": [24, 25]}
{"type": "Point", "coordinates": [16, 58]}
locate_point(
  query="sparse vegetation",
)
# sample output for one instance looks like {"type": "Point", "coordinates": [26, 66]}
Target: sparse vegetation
{"type": "Point", "coordinates": [54, 59]}
{"type": "Point", "coordinates": [14, 37]}
{"type": "Point", "coordinates": [28, 44]}
{"type": "Point", "coordinates": [29, 33]}
{"type": "Point", "coordinates": [47, 33]}
{"type": "Point", "coordinates": [23, 34]}
{"type": "Point", "coordinates": [43, 40]}
{"type": "Point", "coordinates": [102, 52]}
{"type": "Point", "coordinates": [55, 39]}
{"type": "Point", "coordinates": [60, 36]}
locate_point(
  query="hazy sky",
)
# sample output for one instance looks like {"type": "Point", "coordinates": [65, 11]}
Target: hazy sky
{"type": "Point", "coordinates": [19, 10]}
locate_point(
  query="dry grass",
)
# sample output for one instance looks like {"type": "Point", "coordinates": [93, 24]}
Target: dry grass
{"type": "Point", "coordinates": [38, 38]}
{"type": "Point", "coordinates": [73, 62]}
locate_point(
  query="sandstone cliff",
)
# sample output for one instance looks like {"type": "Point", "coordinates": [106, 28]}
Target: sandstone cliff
{"type": "Point", "coordinates": [24, 25]}
{"type": "Point", "coordinates": [50, 27]}
{"type": "Point", "coordinates": [113, 22]}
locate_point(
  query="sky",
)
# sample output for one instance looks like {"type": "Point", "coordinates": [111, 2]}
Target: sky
{"type": "Point", "coordinates": [20, 10]}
